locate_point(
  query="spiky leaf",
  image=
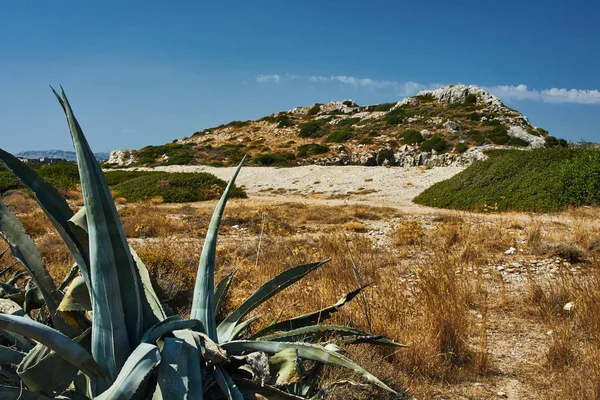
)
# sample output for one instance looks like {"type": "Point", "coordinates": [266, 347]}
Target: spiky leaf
{"type": "Point", "coordinates": [262, 294]}
{"type": "Point", "coordinates": [203, 302]}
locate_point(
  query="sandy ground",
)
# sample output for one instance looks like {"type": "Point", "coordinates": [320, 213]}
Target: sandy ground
{"type": "Point", "coordinates": [384, 185]}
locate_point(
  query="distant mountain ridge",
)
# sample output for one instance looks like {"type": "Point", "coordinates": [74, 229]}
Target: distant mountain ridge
{"type": "Point", "coordinates": [452, 125]}
{"type": "Point", "coordinates": [62, 154]}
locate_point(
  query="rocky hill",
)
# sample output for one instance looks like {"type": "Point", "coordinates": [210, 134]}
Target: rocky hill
{"type": "Point", "coordinates": [450, 126]}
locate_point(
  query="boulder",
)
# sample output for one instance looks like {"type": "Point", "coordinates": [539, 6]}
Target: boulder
{"type": "Point", "coordinates": [534, 141]}
{"type": "Point", "coordinates": [451, 126]}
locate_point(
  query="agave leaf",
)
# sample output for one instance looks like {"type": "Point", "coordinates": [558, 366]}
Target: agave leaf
{"type": "Point", "coordinates": [139, 365]}
{"type": "Point", "coordinates": [117, 318]}
{"type": "Point", "coordinates": [44, 371]}
{"type": "Point", "coordinates": [50, 200]}
{"type": "Point", "coordinates": [72, 274]}
{"type": "Point", "coordinates": [226, 384]}
{"type": "Point", "coordinates": [262, 294]}
{"type": "Point", "coordinates": [153, 310]}
{"type": "Point", "coordinates": [58, 342]}
{"type": "Point", "coordinates": [306, 351]}
{"type": "Point", "coordinates": [151, 306]}
{"type": "Point", "coordinates": [170, 324]}
{"type": "Point", "coordinates": [179, 371]}
{"type": "Point", "coordinates": [308, 319]}
{"type": "Point", "coordinates": [222, 289]}
{"type": "Point", "coordinates": [240, 328]}
{"type": "Point", "coordinates": [25, 251]}
{"type": "Point", "coordinates": [77, 297]}
{"type": "Point", "coordinates": [284, 367]}
{"type": "Point", "coordinates": [10, 356]}
{"type": "Point", "coordinates": [203, 302]}
{"type": "Point", "coordinates": [195, 384]}
{"type": "Point", "coordinates": [317, 332]}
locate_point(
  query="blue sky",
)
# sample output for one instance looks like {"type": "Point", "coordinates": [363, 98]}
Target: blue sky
{"type": "Point", "coordinates": [148, 72]}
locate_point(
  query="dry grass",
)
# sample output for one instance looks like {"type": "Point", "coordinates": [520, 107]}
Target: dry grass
{"type": "Point", "coordinates": [433, 286]}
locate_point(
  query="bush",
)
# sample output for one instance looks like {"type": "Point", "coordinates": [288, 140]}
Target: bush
{"type": "Point", "coordinates": [347, 122]}
{"type": "Point", "coordinates": [174, 187]}
{"type": "Point", "coordinates": [311, 149]}
{"type": "Point", "coordinates": [382, 107]}
{"type": "Point", "coordinates": [461, 148]}
{"type": "Point", "coordinates": [498, 135]}
{"type": "Point", "coordinates": [540, 180]}
{"type": "Point", "coordinates": [471, 99]}
{"type": "Point", "coordinates": [282, 159]}
{"type": "Point", "coordinates": [515, 141]}
{"type": "Point", "coordinates": [385, 155]}
{"type": "Point", "coordinates": [313, 129]}
{"type": "Point", "coordinates": [475, 116]}
{"type": "Point", "coordinates": [340, 135]}
{"type": "Point", "coordinates": [314, 110]}
{"type": "Point", "coordinates": [437, 143]}
{"type": "Point", "coordinates": [284, 121]}
{"type": "Point", "coordinates": [412, 136]}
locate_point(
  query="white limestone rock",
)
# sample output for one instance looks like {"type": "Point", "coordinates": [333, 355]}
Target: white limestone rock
{"type": "Point", "coordinates": [534, 141]}
{"type": "Point", "coordinates": [121, 158]}
{"type": "Point", "coordinates": [458, 94]}
{"type": "Point", "coordinates": [451, 126]}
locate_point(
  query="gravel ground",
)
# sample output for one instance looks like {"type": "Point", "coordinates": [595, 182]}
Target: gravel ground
{"type": "Point", "coordinates": [385, 185]}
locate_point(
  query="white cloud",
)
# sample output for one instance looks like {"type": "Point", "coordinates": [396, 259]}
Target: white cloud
{"type": "Point", "coordinates": [553, 95]}
{"type": "Point", "coordinates": [268, 78]}
{"type": "Point", "coordinates": [408, 88]}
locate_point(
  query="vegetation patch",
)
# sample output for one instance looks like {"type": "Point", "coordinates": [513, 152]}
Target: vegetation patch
{"type": "Point", "coordinates": [313, 129]}
{"type": "Point", "coordinates": [412, 136]}
{"type": "Point", "coordinates": [282, 159]}
{"type": "Point", "coordinates": [174, 187]}
{"type": "Point", "coordinates": [540, 180]}
{"type": "Point", "coordinates": [437, 143]}
{"type": "Point", "coordinates": [311, 149]}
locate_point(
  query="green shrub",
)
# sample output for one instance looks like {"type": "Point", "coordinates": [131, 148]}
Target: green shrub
{"type": "Point", "coordinates": [493, 122]}
{"type": "Point", "coordinates": [283, 121]}
{"type": "Point", "coordinates": [425, 98]}
{"type": "Point", "coordinates": [340, 135]}
{"type": "Point", "coordinates": [314, 110]}
{"type": "Point", "coordinates": [348, 103]}
{"type": "Point", "coordinates": [498, 135]}
{"type": "Point", "coordinates": [382, 107]}
{"type": "Point", "coordinates": [471, 99]}
{"type": "Point", "coordinates": [311, 149]}
{"type": "Point", "coordinates": [313, 129]}
{"type": "Point", "coordinates": [514, 141]}
{"type": "Point", "coordinates": [437, 143]}
{"type": "Point", "coordinates": [174, 187]}
{"type": "Point", "coordinates": [473, 132]}
{"type": "Point", "coordinates": [461, 148]}
{"type": "Point", "coordinates": [282, 159]}
{"type": "Point", "coordinates": [385, 155]}
{"type": "Point", "coordinates": [412, 136]}
{"type": "Point", "coordinates": [8, 181]}
{"type": "Point", "coordinates": [347, 122]}
{"type": "Point", "coordinates": [541, 180]}
{"type": "Point", "coordinates": [475, 116]}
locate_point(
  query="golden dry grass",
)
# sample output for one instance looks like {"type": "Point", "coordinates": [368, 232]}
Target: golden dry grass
{"type": "Point", "coordinates": [434, 284]}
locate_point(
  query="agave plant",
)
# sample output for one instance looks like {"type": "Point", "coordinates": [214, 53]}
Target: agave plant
{"type": "Point", "coordinates": [103, 333]}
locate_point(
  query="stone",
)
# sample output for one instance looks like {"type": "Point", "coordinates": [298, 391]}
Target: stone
{"type": "Point", "coordinates": [510, 251]}
{"type": "Point", "coordinates": [425, 133]}
{"type": "Point", "coordinates": [535, 142]}
{"type": "Point", "coordinates": [570, 306]}
{"type": "Point", "coordinates": [451, 126]}
{"type": "Point", "coordinates": [121, 158]}
{"type": "Point", "coordinates": [459, 93]}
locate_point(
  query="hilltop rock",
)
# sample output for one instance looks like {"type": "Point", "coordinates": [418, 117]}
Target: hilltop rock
{"type": "Point", "coordinates": [520, 133]}
{"type": "Point", "coordinates": [458, 94]}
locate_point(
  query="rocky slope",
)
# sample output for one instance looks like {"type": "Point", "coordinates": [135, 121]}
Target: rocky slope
{"type": "Point", "coordinates": [449, 126]}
